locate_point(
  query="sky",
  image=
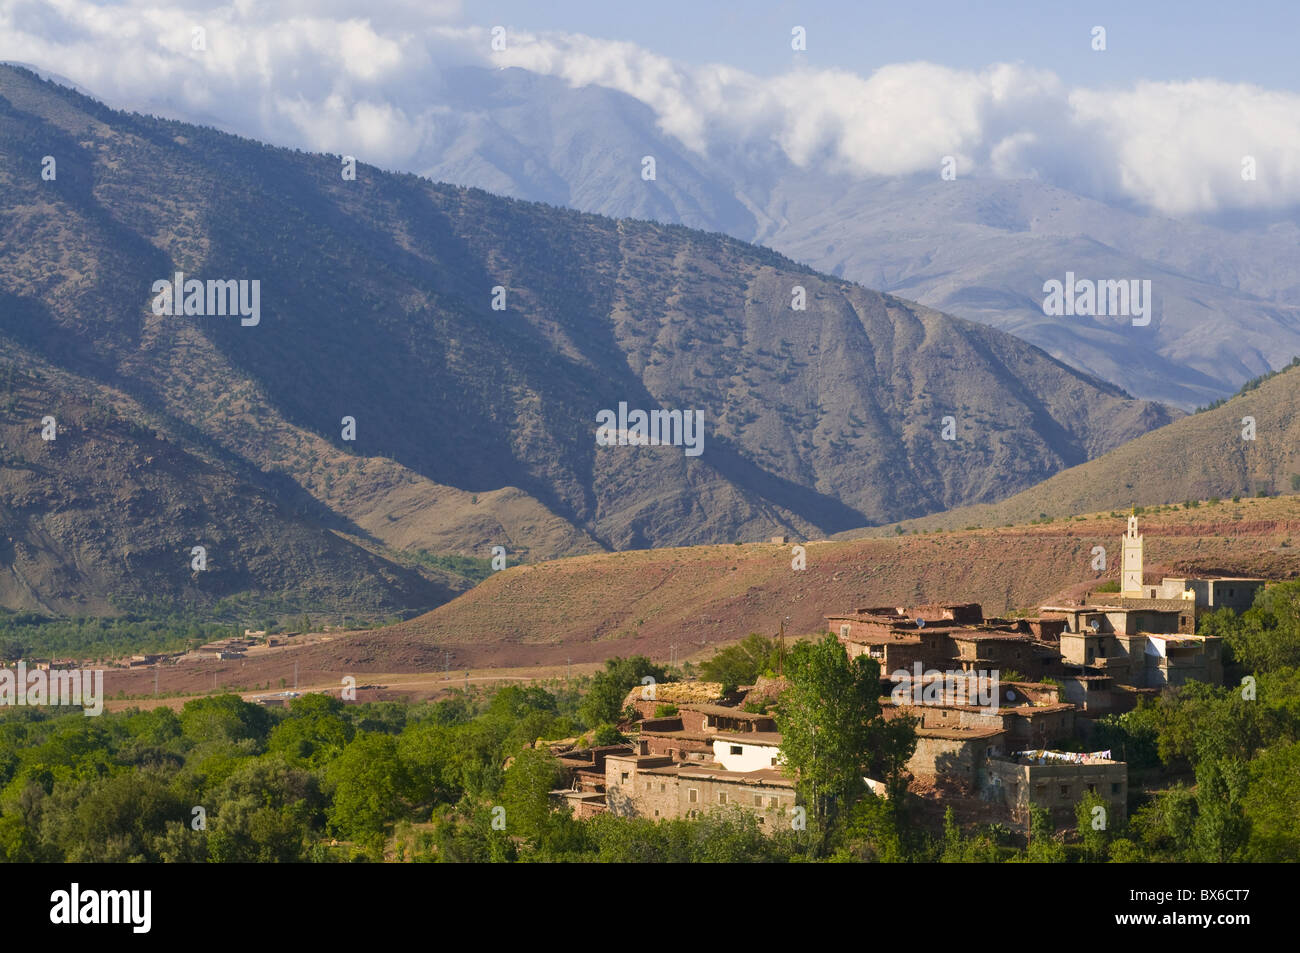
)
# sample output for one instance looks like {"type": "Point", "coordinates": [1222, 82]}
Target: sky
{"type": "Point", "coordinates": [1168, 116]}
{"type": "Point", "coordinates": [1248, 41]}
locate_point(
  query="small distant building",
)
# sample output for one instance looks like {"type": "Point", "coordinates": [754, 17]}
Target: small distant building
{"type": "Point", "coordinates": [656, 787]}
{"type": "Point", "coordinates": [704, 718]}
{"type": "Point", "coordinates": [955, 756]}
{"type": "Point", "coordinates": [1057, 781]}
{"type": "Point", "coordinates": [1206, 594]}
{"type": "Point", "coordinates": [747, 751]}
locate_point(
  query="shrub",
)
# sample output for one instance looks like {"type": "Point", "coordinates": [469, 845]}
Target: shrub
{"type": "Point", "coordinates": [606, 734]}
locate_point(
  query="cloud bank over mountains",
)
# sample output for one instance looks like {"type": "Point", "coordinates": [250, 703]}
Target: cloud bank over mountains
{"type": "Point", "coordinates": [313, 75]}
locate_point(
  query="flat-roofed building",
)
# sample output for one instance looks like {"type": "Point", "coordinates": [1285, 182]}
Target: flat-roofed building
{"type": "Point", "coordinates": [658, 788]}
{"type": "Point", "coordinates": [747, 751]}
{"type": "Point", "coordinates": [1057, 781]}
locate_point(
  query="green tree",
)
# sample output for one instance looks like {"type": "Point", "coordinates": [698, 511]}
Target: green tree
{"type": "Point", "coordinates": [1164, 825]}
{"type": "Point", "coordinates": [369, 784]}
{"type": "Point", "coordinates": [872, 833]}
{"type": "Point", "coordinates": [742, 663]}
{"type": "Point", "coordinates": [1124, 851]}
{"type": "Point", "coordinates": [314, 732]}
{"type": "Point", "coordinates": [1266, 636]}
{"type": "Point", "coordinates": [1043, 848]}
{"type": "Point", "coordinates": [531, 777]}
{"type": "Point", "coordinates": [266, 810]}
{"type": "Point", "coordinates": [1092, 817]}
{"type": "Point", "coordinates": [224, 718]}
{"type": "Point", "coordinates": [114, 819]}
{"type": "Point", "coordinates": [1270, 805]}
{"type": "Point", "coordinates": [603, 702]}
{"type": "Point", "coordinates": [1221, 830]}
{"type": "Point", "coordinates": [833, 731]}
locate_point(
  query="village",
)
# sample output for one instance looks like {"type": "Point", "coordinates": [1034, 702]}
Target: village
{"type": "Point", "coordinates": [996, 702]}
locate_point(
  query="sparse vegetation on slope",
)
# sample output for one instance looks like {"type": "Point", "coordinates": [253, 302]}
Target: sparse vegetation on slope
{"type": "Point", "coordinates": [474, 425]}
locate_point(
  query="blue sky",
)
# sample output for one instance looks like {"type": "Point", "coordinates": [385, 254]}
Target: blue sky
{"type": "Point", "coordinates": [1238, 42]}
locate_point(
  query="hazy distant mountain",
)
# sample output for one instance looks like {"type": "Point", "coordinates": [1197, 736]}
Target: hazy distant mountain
{"type": "Point", "coordinates": [1246, 446]}
{"type": "Point", "coordinates": [1227, 298]}
{"type": "Point", "coordinates": [475, 427]}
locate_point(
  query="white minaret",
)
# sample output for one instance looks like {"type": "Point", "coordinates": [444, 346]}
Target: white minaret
{"type": "Point", "coordinates": [1131, 568]}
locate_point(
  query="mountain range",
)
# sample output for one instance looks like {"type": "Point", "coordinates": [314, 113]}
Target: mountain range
{"type": "Point", "coordinates": [980, 248]}
{"type": "Point", "coordinates": [425, 375]}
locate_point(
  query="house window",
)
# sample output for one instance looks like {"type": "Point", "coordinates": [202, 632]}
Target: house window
{"type": "Point", "coordinates": [663, 788]}
{"type": "Point", "coordinates": [1114, 788]}
{"type": "Point", "coordinates": [722, 797]}
{"type": "Point", "coordinates": [758, 800]}
{"type": "Point", "coordinates": [1040, 790]}
{"type": "Point", "coordinates": [624, 777]}
{"type": "Point", "coordinates": [1065, 790]}
{"type": "Point", "coordinates": [844, 631]}
{"type": "Point", "coordinates": [737, 749]}
{"type": "Point", "coordinates": [774, 761]}
{"type": "Point", "coordinates": [656, 813]}
{"type": "Point", "coordinates": [762, 820]}
{"type": "Point", "coordinates": [693, 795]}
{"type": "Point", "coordinates": [771, 802]}
{"type": "Point", "coordinates": [1092, 789]}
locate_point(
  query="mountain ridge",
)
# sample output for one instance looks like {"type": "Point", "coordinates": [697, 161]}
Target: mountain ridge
{"type": "Point", "coordinates": [474, 427]}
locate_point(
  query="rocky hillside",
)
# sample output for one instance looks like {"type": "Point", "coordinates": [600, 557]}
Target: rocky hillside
{"type": "Point", "coordinates": [1247, 446]}
{"type": "Point", "coordinates": [471, 342]}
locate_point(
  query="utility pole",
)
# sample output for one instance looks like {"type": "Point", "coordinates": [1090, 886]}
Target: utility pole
{"type": "Point", "coordinates": [780, 650]}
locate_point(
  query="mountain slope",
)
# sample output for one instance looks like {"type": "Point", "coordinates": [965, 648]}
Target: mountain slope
{"type": "Point", "coordinates": [685, 602]}
{"type": "Point", "coordinates": [1195, 458]}
{"type": "Point", "coordinates": [105, 516]}
{"type": "Point", "coordinates": [475, 426]}
{"type": "Point", "coordinates": [1227, 296]}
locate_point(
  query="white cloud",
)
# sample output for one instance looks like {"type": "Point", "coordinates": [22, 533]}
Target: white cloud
{"type": "Point", "coordinates": [316, 75]}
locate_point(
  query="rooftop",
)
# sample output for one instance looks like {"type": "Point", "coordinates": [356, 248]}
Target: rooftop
{"type": "Point", "coordinates": [724, 712]}
{"type": "Point", "coordinates": [959, 734]}
{"type": "Point", "coordinates": [763, 776]}
{"type": "Point", "coordinates": [766, 738]}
